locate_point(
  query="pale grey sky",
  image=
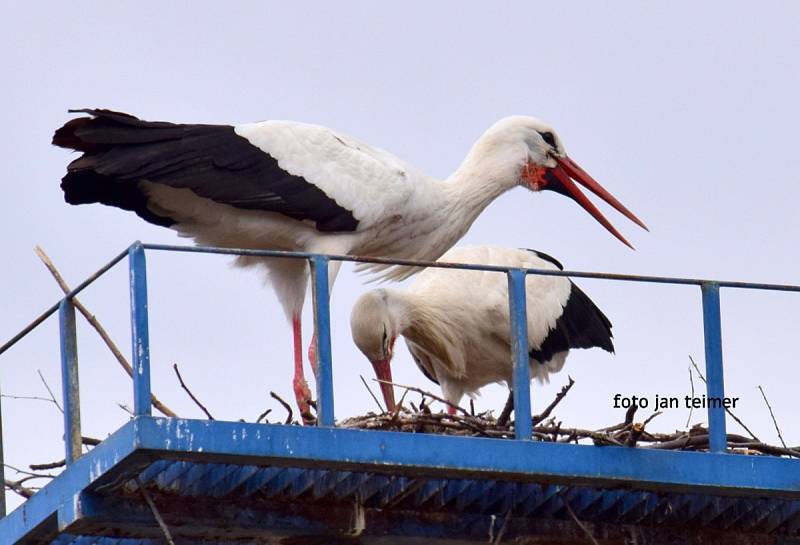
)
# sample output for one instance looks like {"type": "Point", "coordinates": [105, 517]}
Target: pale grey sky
{"type": "Point", "coordinates": [686, 111]}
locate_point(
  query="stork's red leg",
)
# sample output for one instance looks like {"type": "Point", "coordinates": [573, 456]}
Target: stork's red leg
{"type": "Point", "coordinates": [301, 391]}
{"type": "Point", "coordinates": [451, 409]}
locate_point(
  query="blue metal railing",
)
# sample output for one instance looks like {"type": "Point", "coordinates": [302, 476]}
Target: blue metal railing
{"type": "Point", "coordinates": [319, 269]}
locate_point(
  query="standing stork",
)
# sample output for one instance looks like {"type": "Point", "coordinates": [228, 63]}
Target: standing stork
{"type": "Point", "coordinates": [456, 322]}
{"type": "Point", "coordinates": [284, 185]}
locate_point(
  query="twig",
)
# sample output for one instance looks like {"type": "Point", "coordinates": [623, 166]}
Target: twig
{"type": "Point", "coordinates": [652, 416]}
{"type": "Point", "coordinates": [286, 406]}
{"type": "Point", "coordinates": [775, 422]}
{"type": "Point", "coordinates": [502, 420]}
{"type": "Point", "coordinates": [30, 474]}
{"type": "Point", "coordinates": [691, 409]}
{"type": "Point", "coordinates": [49, 391]}
{"type": "Point", "coordinates": [50, 465]}
{"type": "Point", "coordinates": [263, 415]}
{"type": "Point", "coordinates": [559, 396]}
{"type": "Point", "coordinates": [423, 392]}
{"type": "Point", "coordinates": [31, 398]}
{"type": "Point", "coordinates": [399, 406]}
{"type": "Point", "coordinates": [16, 486]}
{"type": "Point", "coordinates": [727, 410]}
{"type": "Point", "coordinates": [188, 391]}
{"type": "Point", "coordinates": [378, 403]}
{"type": "Point", "coordinates": [575, 518]}
{"type": "Point", "coordinates": [156, 514]}
{"type": "Point", "coordinates": [90, 441]}
{"type": "Point", "coordinates": [629, 414]}
{"type": "Point", "coordinates": [634, 435]}
{"type": "Point", "coordinates": [94, 322]}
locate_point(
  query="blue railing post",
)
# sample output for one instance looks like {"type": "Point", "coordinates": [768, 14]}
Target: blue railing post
{"type": "Point", "coordinates": [140, 335]}
{"type": "Point", "coordinates": [715, 388]}
{"type": "Point", "coordinates": [69, 381]}
{"type": "Point", "coordinates": [322, 326]}
{"type": "Point", "coordinates": [523, 427]}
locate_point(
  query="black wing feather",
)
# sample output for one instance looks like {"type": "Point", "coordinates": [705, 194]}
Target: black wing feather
{"type": "Point", "coordinates": [581, 324]}
{"type": "Point", "coordinates": [120, 150]}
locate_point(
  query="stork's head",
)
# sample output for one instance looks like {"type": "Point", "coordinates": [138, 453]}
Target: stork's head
{"type": "Point", "coordinates": [536, 155]}
{"type": "Point", "coordinates": [375, 327]}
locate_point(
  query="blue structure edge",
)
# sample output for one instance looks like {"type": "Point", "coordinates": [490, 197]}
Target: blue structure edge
{"type": "Point", "coordinates": [147, 438]}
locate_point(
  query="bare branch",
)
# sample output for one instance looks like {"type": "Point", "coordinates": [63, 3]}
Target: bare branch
{"type": "Point", "coordinates": [188, 391]}
{"type": "Point", "coordinates": [727, 410]}
{"type": "Point", "coordinates": [378, 403]}
{"type": "Point", "coordinates": [559, 396]}
{"type": "Point", "coordinates": [95, 323]}
{"type": "Point", "coordinates": [16, 486]}
{"type": "Point", "coordinates": [423, 392]}
{"type": "Point", "coordinates": [575, 518]}
{"type": "Point", "coordinates": [156, 514]}
{"type": "Point", "coordinates": [31, 398]}
{"type": "Point", "coordinates": [263, 415]}
{"type": "Point", "coordinates": [49, 391]}
{"type": "Point", "coordinates": [286, 406]}
{"type": "Point", "coordinates": [775, 422]}
{"type": "Point", "coordinates": [505, 414]}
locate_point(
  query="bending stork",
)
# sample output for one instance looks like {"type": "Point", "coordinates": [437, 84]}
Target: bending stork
{"type": "Point", "coordinates": [284, 185]}
{"type": "Point", "coordinates": [456, 322]}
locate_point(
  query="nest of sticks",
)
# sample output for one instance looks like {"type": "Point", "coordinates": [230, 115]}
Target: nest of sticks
{"type": "Point", "coordinates": [419, 418]}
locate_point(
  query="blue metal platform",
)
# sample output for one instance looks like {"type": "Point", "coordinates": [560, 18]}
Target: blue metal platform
{"type": "Point", "coordinates": [225, 482]}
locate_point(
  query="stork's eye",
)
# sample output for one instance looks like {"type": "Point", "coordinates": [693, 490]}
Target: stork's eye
{"type": "Point", "coordinates": [548, 138]}
{"type": "Point", "coordinates": [385, 339]}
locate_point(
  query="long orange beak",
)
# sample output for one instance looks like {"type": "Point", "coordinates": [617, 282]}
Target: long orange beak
{"type": "Point", "coordinates": [560, 179]}
{"type": "Point", "coordinates": [383, 370]}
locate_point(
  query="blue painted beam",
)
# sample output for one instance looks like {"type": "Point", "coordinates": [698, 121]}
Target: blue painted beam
{"type": "Point", "coordinates": [40, 509]}
{"type": "Point", "coordinates": [69, 381]}
{"type": "Point", "coordinates": [715, 388]}
{"type": "Point", "coordinates": [140, 332]}
{"type": "Point", "coordinates": [523, 425]}
{"type": "Point", "coordinates": [322, 327]}
{"type": "Point", "coordinates": [436, 455]}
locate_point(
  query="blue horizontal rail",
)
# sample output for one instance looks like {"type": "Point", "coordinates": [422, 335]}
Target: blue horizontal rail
{"type": "Point", "coordinates": [319, 266]}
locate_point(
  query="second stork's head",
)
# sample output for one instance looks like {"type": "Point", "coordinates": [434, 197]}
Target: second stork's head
{"type": "Point", "coordinates": [521, 150]}
{"type": "Point", "coordinates": [375, 326]}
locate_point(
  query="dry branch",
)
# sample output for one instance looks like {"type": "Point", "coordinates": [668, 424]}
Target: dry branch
{"type": "Point", "coordinates": [775, 422]}
{"type": "Point", "coordinates": [424, 393]}
{"type": "Point", "coordinates": [188, 391]}
{"type": "Point", "coordinates": [94, 322]}
{"type": "Point", "coordinates": [286, 406]}
{"type": "Point", "coordinates": [727, 410]}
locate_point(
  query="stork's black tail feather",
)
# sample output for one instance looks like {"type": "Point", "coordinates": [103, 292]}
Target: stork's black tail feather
{"type": "Point", "coordinates": [120, 151]}
{"type": "Point", "coordinates": [98, 175]}
{"type": "Point", "coordinates": [581, 325]}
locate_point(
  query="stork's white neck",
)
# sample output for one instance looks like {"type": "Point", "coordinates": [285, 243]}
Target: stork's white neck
{"type": "Point", "coordinates": [491, 168]}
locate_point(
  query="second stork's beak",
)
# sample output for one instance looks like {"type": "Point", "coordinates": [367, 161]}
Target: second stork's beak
{"type": "Point", "coordinates": [560, 179]}
{"type": "Point", "coordinates": [383, 370]}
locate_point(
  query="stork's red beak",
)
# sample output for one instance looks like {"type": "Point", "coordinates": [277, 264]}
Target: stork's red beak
{"type": "Point", "coordinates": [383, 370]}
{"type": "Point", "coordinates": [560, 179]}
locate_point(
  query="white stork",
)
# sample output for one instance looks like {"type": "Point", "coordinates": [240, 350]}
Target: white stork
{"type": "Point", "coordinates": [456, 322]}
{"type": "Point", "coordinates": [283, 185]}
